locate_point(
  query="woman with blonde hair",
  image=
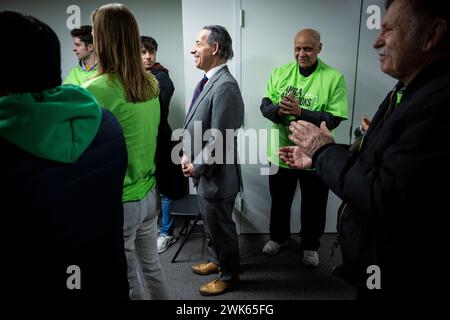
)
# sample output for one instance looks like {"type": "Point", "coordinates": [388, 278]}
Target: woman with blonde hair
{"type": "Point", "coordinates": [124, 87]}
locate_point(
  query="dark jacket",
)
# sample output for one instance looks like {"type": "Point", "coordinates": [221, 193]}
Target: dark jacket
{"type": "Point", "coordinates": [170, 179]}
{"type": "Point", "coordinates": [165, 86]}
{"type": "Point", "coordinates": [395, 190]}
{"type": "Point", "coordinates": [56, 215]}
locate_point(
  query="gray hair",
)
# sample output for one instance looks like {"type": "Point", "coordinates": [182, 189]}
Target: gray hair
{"type": "Point", "coordinates": [221, 36]}
{"type": "Point", "coordinates": [423, 9]}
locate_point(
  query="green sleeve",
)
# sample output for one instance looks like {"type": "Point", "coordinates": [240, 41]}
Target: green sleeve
{"type": "Point", "coordinates": [338, 104]}
{"type": "Point", "coordinates": [271, 91]}
{"type": "Point", "coordinates": [72, 78]}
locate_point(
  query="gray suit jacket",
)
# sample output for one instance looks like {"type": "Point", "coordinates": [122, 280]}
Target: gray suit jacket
{"type": "Point", "coordinates": [219, 107]}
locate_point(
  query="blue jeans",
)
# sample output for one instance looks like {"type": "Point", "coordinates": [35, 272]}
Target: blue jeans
{"type": "Point", "coordinates": [167, 217]}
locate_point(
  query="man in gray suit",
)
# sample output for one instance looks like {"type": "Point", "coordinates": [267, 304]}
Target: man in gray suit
{"type": "Point", "coordinates": [211, 159]}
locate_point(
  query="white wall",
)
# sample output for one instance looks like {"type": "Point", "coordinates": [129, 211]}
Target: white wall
{"type": "Point", "coordinates": [372, 84]}
{"type": "Point", "coordinates": [196, 15]}
{"type": "Point", "coordinates": [160, 19]}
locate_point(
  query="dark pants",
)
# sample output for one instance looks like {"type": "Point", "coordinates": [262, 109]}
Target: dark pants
{"type": "Point", "coordinates": [314, 197]}
{"type": "Point", "coordinates": [220, 229]}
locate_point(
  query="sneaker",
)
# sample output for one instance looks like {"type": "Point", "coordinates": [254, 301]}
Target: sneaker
{"type": "Point", "coordinates": [271, 248]}
{"type": "Point", "coordinates": [164, 242]}
{"type": "Point", "coordinates": [310, 258]}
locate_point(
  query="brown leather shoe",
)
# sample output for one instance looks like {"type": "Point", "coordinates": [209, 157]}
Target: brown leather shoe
{"type": "Point", "coordinates": [217, 286]}
{"type": "Point", "coordinates": [205, 268]}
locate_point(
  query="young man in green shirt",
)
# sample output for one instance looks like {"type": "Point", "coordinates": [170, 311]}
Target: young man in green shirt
{"type": "Point", "coordinates": [310, 90]}
{"type": "Point", "coordinates": [84, 50]}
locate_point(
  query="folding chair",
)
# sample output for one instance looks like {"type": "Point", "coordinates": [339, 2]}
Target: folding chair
{"type": "Point", "coordinates": [186, 208]}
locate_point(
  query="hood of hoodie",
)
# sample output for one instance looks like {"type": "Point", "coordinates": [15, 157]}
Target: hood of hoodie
{"type": "Point", "coordinates": [157, 67]}
{"type": "Point", "coordinates": [57, 124]}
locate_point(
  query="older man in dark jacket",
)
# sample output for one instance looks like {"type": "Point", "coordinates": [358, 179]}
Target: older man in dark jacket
{"type": "Point", "coordinates": [391, 225]}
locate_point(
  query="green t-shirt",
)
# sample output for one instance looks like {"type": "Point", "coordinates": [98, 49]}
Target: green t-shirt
{"type": "Point", "coordinates": [323, 91]}
{"type": "Point", "coordinates": [139, 122]}
{"type": "Point", "coordinates": [78, 76]}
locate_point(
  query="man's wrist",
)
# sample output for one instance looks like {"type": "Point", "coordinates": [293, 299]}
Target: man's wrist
{"type": "Point", "coordinates": [319, 151]}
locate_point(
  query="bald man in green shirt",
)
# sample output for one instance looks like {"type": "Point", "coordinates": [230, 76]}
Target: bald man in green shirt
{"type": "Point", "coordinates": [305, 89]}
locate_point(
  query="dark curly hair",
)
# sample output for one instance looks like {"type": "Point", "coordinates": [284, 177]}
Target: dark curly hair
{"type": "Point", "coordinates": [84, 33]}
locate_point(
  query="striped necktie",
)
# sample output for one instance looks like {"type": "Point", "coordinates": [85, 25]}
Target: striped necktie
{"type": "Point", "coordinates": [197, 91]}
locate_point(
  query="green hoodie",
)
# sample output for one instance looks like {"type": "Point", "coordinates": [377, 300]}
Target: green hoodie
{"type": "Point", "coordinates": [57, 124]}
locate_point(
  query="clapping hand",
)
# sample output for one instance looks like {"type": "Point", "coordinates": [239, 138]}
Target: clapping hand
{"type": "Point", "coordinates": [289, 106]}
{"type": "Point", "coordinates": [295, 158]}
{"type": "Point", "coordinates": [309, 137]}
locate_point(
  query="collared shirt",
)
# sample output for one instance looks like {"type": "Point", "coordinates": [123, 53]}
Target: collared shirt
{"type": "Point", "coordinates": [213, 71]}
{"type": "Point", "coordinates": [86, 67]}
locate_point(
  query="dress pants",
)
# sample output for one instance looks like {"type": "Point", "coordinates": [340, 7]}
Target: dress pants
{"type": "Point", "coordinates": [220, 229]}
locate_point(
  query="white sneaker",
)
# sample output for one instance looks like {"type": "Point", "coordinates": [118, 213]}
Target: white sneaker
{"type": "Point", "coordinates": [271, 248]}
{"type": "Point", "coordinates": [164, 242]}
{"type": "Point", "coordinates": [310, 258]}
